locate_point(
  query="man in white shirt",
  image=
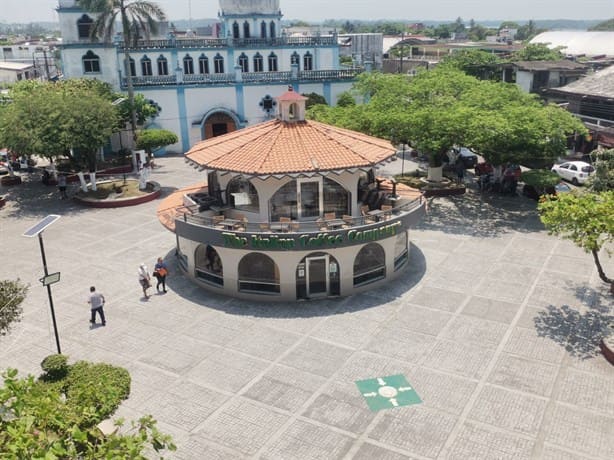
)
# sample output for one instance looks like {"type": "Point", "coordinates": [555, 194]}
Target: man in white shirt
{"type": "Point", "coordinates": [96, 302]}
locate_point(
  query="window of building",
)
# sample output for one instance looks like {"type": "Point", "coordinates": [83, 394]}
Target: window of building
{"type": "Point", "coordinates": [272, 62]}
{"type": "Point", "coordinates": [246, 32]}
{"type": "Point", "coordinates": [91, 63]}
{"type": "Point", "coordinates": [258, 273]}
{"type": "Point", "coordinates": [208, 265]}
{"type": "Point", "coordinates": [243, 63]}
{"type": "Point", "coordinates": [203, 64]}
{"type": "Point", "coordinates": [263, 29]}
{"type": "Point", "coordinates": [401, 253]}
{"type": "Point", "coordinates": [272, 32]}
{"type": "Point", "coordinates": [336, 197]}
{"type": "Point", "coordinates": [242, 194]}
{"type": "Point", "coordinates": [283, 203]}
{"type": "Point", "coordinates": [146, 69]}
{"type": "Point", "coordinates": [84, 26]}
{"type": "Point", "coordinates": [188, 65]}
{"type": "Point", "coordinates": [308, 61]}
{"type": "Point", "coordinates": [162, 65]}
{"type": "Point", "coordinates": [132, 68]}
{"type": "Point", "coordinates": [235, 30]}
{"type": "Point", "coordinates": [218, 63]}
{"type": "Point", "coordinates": [369, 265]}
{"type": "Point", "coordinates": [258, 63]}
{"type": "Point", "coordinates": [295, 59]}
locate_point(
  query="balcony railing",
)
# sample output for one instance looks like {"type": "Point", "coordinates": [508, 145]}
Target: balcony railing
{"type": "Point", "coordinates": [250, 77]}
{"type": "Point", "coordinates": [301, 227]}
{"type": "Point", "coordinates": [198, 43]}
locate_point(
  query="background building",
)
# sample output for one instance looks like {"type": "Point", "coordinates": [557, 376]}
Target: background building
{"type": "Point", "coordinates": [210, 86]}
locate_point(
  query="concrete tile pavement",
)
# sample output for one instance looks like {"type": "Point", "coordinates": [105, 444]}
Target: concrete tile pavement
{"type": "Point", "coordinates": [494, 325]}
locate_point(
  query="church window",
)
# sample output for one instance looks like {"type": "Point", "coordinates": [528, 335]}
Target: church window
{"type": "Point", "coordinates": [91, 63]}
{"type": "Point", "coordinates": [188, 65]}
{"type": "Point", "coordinates": [162, 65]}
{"type": "Point", "coordinates": [244, 63]}
{"type": "Point", "coordinates": [203, 64]}
{"type": "Point", "coordinates": [235, 30]}
{"type": "Point", "coordinates": [246, 33]}
{"type": "Point", "coordinates": [258, 63]}
{"type": "Point", "coordinates": [132, 68]}
{"type": "Point", "coordinates": [308, 61]}
{"type": "Point", "coordinates": [295, 59]}
{"type": "Point", "coordinates": [263, 29]}
{"type": "Point", "coordinates": [272, 33]}
{"type": "Point", "coordinates": [84, 26]}
{"type": "Point", "coordinates": [146, 67]}
{"type": "Point", "coordinates": [272, 62]}
{"type": "Point", "coordinates": [218, 63]}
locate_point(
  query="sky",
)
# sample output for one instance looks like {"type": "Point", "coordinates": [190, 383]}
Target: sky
{"type": "Point", "coordinates": [317, 10]}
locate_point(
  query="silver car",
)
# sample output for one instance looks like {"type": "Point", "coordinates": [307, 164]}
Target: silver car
{"type": "Point", "coordinates": [577, 172]}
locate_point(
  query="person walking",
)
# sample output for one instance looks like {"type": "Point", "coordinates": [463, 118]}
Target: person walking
{"type": "Point", "coordinates": [460, 171]}
{"type": "Point", "coordinates": [62, 186]}
{"type": "Point", "coordinates": [96, 302]}
{"type": "Point", "coordinates": [160, 272]}
{"type": "Point", "coordinates": [144, 279]}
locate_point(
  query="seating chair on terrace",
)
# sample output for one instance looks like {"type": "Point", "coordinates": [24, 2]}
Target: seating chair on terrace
{"type": "Point", "coordinates": [285, 220]}
{"type": "Point", "coordinates": [265, 227]}
{"type": "Point", "coordinates": [364, 212]}
{"type": "Point", "coordinates": [321, 225]}
{"type": "Point", "coordinates": [217, 221]}
{"type": "Point", "coordinates": [387, 211]}
{"type": "Point", "coordinates": [349, 221]}
{"type": "Point", "coordinates": [329, 216]}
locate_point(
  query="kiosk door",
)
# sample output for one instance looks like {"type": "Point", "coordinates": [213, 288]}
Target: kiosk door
{"type": "Point", "coordinates": [317, 277]}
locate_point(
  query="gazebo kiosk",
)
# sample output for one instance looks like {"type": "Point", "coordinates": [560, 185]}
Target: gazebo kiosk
{"type": "Point", "coordinates": [292, 209]}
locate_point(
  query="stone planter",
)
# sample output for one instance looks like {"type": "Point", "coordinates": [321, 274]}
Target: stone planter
{"type": "Point", "coordinates": [10, 180]}
{"type": "Point", "coordinates": [119, 201]}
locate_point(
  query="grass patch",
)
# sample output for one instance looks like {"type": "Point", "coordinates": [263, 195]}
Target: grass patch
{"type": "Point", "coordinates": [117, 189]}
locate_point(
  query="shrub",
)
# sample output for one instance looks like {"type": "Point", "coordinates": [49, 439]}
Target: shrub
{"type": "Point", "coordinates": [95, 391]}
{"type": "Point", "coordinates": [55, 367]}
{"type": "Point", "coordinates": [12, 294]}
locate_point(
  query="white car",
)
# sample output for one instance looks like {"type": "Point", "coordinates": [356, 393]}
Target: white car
{"type": "Point", "coordinates": [577, 172]}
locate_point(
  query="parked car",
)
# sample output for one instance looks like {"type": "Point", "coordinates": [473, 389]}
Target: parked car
{"type": "Point", "coordinates": [468, 158]}
{"type": "Point", "coordinates": [3, 169]}
{"type": "Point", "coordinates": [577, 172]}
{"type": "Point", "coordinates": [533, 193]}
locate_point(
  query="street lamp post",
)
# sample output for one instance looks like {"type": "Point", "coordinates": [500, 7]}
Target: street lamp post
{"type": "Point", "coordinates": [48, 279]}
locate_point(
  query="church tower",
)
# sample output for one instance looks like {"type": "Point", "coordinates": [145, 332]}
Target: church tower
{"type": "Point", "coordinates": [250, 19]}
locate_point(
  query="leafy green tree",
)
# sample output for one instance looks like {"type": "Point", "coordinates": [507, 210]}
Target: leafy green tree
{"type": "Point", "coordinates": [477, 63]}
{"type": "Point", "coordinates": [538, 52]}
{"type": "Point", "coordinates": [528, 31]}
{"type": "Point", "coordinates": [137, 18]}
{"type": "Point", "coordinates": [346, 99]}
{"type": "Point", "coordinates": [12, 294]}
{"type": "Point", "coordinates": [151, 140]}
{"type": "Point", "coordinates": [314, 99]}
{"type": "Point", "coordinates": [603, 177]}
{"type": "Point", "coordinates": [586, 219]}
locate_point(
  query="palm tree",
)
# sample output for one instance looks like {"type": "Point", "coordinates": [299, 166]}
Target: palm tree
{"type": "Point", "coordinates": [137, 17]}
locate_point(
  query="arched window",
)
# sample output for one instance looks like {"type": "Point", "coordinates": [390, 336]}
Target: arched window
{"type": "Point", "coordinates": [284, 202]}
{"type": "Point", "coordinates": [272, 62]}
{"type": "Point", "coordinates": [295, 59]}
{"type": "Point", "coordinates": [369, 265]}
{"type": "Point", "coordinates": [258, 63]}
{"type": "Point", "coordinates": [203, 64]}
{"type": "Point", "coordinates": [258, 273]}
{"type": "Point", "coordinates": [263, 29]}
{"type": "Point", "coordinates": [292, 111]}
{"type": "Point", "coordinates": [84, 26]}
{"type": "Point", "coordinates": [242, 194]}
{"type": "Point", "coordinates": [91, 63]}
{"type": "Point", "coordinates": [243, 63]}
{"type": "Point", "coordinates": [146, 70]}
{"type": "Point", "coordinates": [162, 65]}
{"type": "Point", "coordinates": [188, 65]}
{"type": "Point", "coordinates": [336, 197]}
{"type": "Point", "coordinates": [218, 63]}
{"type": "Point", "coordinates": [272, 32]}
{"type": "Point", "coordinates": [208, 265]}
{"type": "Point", "coordinates": [401, 253]}
{"type": "Point", "coordinates": [235, 30]}
{"type": "Point", "coordinates": [246, 33]}
{"type": "Point", "coordinates": [308, 61]}
{"type": "Point", "coordinates": [132, 68]}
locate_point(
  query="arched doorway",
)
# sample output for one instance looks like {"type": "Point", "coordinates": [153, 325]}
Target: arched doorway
{"type": "Point", "coordinates": [208, 265]}
{"type": "Point", "coordinates": [218, 124]}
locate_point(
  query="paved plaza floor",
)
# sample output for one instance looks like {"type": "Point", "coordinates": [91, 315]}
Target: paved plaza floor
{"type": "Point", "coordinates": [494, 328]}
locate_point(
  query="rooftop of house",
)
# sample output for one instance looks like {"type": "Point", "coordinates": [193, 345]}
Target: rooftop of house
{"type": "Point", "coordinates": [561, 65]}
{"type": "Point", "coordinates": [600, 83]}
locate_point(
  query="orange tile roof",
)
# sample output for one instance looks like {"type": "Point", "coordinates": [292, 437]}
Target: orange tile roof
{"type": "Point", "coordinates": [172, 206]}
{"type": "Point", "coordinates": [277, 147]}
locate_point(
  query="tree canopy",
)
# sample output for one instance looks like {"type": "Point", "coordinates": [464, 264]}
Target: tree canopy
{"type": "Point", "coordinates": [603, 178]}
{"type": "Point", "coordinates": [607, 25]}
{"type": "Point", "coordinates": [538, 52]}
{"type": "Point", "coordinates": [584, 218]}
{"type": "Point", "coordinates": [12, 294]}
{"type": "Point", "coordinates": [151, 140]}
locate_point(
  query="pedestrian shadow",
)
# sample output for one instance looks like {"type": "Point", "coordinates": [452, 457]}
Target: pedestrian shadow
{"type": "Point", "coordinates": [395, 289]}
{"type": "Point", "coordinates": [579, 332]}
